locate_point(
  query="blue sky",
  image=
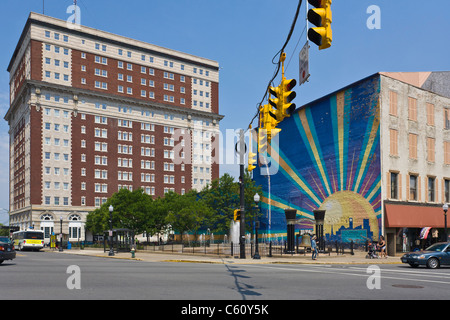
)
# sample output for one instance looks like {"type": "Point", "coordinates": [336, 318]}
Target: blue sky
{"type": "Point", "coordinates": [243, 36]}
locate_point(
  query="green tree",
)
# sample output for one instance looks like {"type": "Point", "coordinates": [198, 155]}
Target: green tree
{"type": "Point", "coordinates": [132, 210]}
{"type": "Point", "coordinates": [156, 222]}
{"type": "Point", "coordinates": [187, 213]}
{"type": "Point", "coordinates": [223, 196]}
{"type": "Point", "coordinates": [4, 231]}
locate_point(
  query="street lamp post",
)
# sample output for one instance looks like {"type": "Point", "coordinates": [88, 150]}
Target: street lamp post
{"type": "Point", "coordinates": [256, 198]}
{"type": "Point", "coordinates": [445, 208]}
{"type": "Point", "coordinates": [60, 234]}
{"type": "Point", "coordinates": [111, 249]}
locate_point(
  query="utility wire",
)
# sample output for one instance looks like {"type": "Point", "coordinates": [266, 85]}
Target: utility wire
{"type": "Point", "coordinates": [295, 49]}
{"type": "Point", "coordinates": [277, 69]}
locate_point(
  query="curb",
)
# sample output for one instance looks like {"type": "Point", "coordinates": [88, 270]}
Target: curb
{"type": "Point", "coordinates": [111, 257]}
{"type": "Point", "coordinates": [326, 261]}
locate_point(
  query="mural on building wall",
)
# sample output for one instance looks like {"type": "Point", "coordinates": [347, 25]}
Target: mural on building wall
{"type": "Point", "coordinates": [328, 158]}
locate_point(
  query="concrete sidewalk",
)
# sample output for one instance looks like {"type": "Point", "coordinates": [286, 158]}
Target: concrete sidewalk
{"type": "Point", "coordinates": [158, 256]}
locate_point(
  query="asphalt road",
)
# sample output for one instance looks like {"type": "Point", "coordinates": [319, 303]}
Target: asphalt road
{"type": "Point", "coordinates": [47, 276]}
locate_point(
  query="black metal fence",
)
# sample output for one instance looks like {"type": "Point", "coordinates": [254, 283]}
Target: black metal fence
{"type": "Point", "coordinates": [265, 249]}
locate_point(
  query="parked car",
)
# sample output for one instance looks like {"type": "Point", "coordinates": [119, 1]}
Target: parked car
{"type": "Point", "coordinates": [433, 257]}
{"type": "Point", "coordinates": [7, 251]}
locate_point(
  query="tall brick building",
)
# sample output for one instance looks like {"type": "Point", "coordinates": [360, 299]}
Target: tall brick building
{"type": "Point", "coordinates": [93, 112]}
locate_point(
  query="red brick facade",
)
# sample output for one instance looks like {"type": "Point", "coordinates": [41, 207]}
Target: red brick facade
{"type": "Point", "coordinates": [89, 121]}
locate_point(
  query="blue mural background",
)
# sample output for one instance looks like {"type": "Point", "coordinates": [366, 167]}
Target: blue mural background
{"type": "Point", "coordinates": [328, 157]}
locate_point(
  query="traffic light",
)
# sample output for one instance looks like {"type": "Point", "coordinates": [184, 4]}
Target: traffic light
{"type": "Point", "coordinates": [283, 98]}
{"type": "Point", "coordinates": [287, 108]}
{"type": "Point", "coordinates": [269, 122]}
{"type": "Point", "coordinates": [269, 117]}
{"type": "Point", "coordinates": [322, 18]}
{"type": "Point", "coordinates": [251, 155]}
{"type": "Point", "coordinates": [275, 102]}
{"type": "Point", "coordinates": [262, 141]}
{"type": "Point", "coordinates": [237, 215]}
{"type": "Point", "coordinates": [251, 161]}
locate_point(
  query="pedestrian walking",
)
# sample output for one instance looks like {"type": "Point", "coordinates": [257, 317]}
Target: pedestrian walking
{"type": "Point", "coordinates": [314, 247]}
{"type": "Point", "coordinates": [382, 245]}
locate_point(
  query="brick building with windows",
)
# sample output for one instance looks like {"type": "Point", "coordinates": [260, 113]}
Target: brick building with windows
{"type": "Point", "coordinates": [93, 112]}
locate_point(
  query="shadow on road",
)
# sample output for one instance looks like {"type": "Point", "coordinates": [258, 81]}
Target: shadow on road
{"type": "Point", "coordinates": [243, 288]}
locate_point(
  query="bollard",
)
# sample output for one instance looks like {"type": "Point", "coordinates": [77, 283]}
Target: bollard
{"type": "Point", "coordinates": [270, 249]}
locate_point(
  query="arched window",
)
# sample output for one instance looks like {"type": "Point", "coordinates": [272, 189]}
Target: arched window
{"type": "Point", "coordinates": [75, 225]}
{"type": "Point", "coordinates": [47, 217]}
{"type": "Point", "coordinates": [74, 217]}
{"type": "Point", "coordinates": [47, 224]}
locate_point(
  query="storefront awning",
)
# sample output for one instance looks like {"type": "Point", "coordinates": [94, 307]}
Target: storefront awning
{"type": "Point", "coordinates": [410, 216]}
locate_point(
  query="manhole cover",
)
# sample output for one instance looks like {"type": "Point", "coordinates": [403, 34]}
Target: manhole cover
{"type": "Point", "coordinates": [407, 286]}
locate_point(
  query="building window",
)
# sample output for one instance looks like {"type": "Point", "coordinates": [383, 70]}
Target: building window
{"type": "Point", "coordinates": [412, 108]}
{"type": "Point", "coordinates": [447, 152]}
{"type": "Point", "coordinates": [430, 149]}
{"type": "Point", "coordinates": [412, 146]}
{"type": "Point", "coordinates": [412, 187]}
{"type": "Point", "coordinates": [447, 190]}
{"type": "Point", "coordinates": [394, 185]}
{"type": "Point", "coordinates": [447, 119]}
{"type": "Point", "coordinates": [394, 142]}
{"type": "Point", "coordinates": [431, 189]}
{"type": "Point", "coordinates": [430, 114]}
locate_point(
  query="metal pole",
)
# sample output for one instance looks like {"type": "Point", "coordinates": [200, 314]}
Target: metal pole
{"type": "Point", "coordinates": [60, 234]}
{"type": "Point", "coordinates": [242, 200]}
{"type": "Point", "coordinates": [111, 249]}
{"type": "Point", "coordinates": [445, 219]}
{"type": "Point", "coordinates": [445, 208]}
{"type": "Point", "coordinates": [257, 256]}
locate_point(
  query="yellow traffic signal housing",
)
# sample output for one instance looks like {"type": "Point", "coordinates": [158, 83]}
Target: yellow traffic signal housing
{"type": "Point", "coordinates": [284, 96]}
{"type": "Point", "coordinates": [287, 108]}
{"type": "Point", "coordinates": [251, 161]}
{"type": "Point", "coordinates": [237, 215]}
{"type": "Point", "coordinates": [322, 18]}
{"type": "Point", "coordinates": [269, 123]}
{"type": "Point", "coordinates": [251, 155]}
{"type": "Point", "coordinates": [277, 92]}
{"type": "Point", "coordinates": [269, 117]}
{"type": "Point", "coordinates": [262, 141]}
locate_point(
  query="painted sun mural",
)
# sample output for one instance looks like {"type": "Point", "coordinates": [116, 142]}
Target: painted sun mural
{"type": "Point", "coordinates": [328, 158]}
